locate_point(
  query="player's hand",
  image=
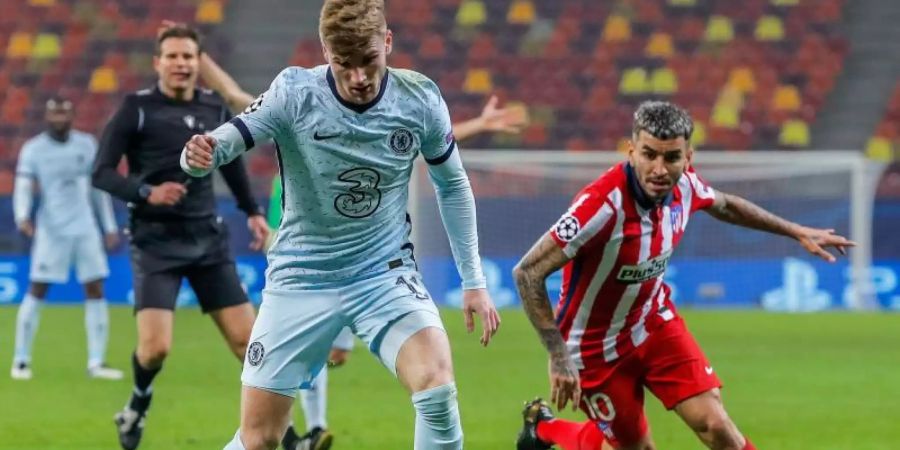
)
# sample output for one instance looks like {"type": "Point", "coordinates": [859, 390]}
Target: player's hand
{"type": "Point", "coordinates": [199, 151]}
{"type": "Point", "coordinates": [112, 240]}
{"type": "Point", "coordinates": [477, 301]}
{"type": "Point", "coordinates": [507, 120]}
{"type": "Point", "coordinates": [337, 357]}
{"type": "Point", "coordinates": [167, 194]}
{"type": "Point", "coordinates": [270, 239]}
{"type": "Point", "coordinates": [564, 382]}
{"type": "Point", "coordinates": [26, 227]}
{"type": "Point", "coordinates": [816, 240]}
{"type": "Point", "coordinates": [259, 229]}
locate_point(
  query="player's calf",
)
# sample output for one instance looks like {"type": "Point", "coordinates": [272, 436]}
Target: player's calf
{"type": "Point", "coordinates": [706, 415]}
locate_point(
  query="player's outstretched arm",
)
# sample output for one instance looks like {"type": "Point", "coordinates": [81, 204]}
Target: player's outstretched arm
{"type": "Point", "coordinates": [739, 211]}
{"type": "Point", "coordinates": [530, 275]}
{"type": "Point", "coordinates": [510, 119]}
{"type": "Point", "coordinates": [220, 81]}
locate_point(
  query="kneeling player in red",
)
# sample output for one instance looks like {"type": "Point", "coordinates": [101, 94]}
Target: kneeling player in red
{"type": "Point", "coordinates": [616, 330]}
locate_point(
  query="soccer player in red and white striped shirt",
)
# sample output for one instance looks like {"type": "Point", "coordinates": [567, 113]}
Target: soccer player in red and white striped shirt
{"type": "Point", "coordinates": [616, 329]}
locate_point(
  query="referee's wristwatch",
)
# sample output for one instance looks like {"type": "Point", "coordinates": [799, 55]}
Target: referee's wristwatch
{"type": "Point", "coordinates": [144, 191]}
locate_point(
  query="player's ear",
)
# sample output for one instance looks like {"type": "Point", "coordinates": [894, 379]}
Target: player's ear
{"type": "Point", "coordinates": [388, 42]}
{"type": "Point", "coordinates": [689, 154]}
{"type": "Point", "coordinates": [325, 54]}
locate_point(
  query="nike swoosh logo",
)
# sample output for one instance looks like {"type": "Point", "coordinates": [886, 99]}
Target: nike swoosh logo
{"type": "Point", "coordinates": [322, 137]}
{"type": "Point", "coordinates": [709, 370]}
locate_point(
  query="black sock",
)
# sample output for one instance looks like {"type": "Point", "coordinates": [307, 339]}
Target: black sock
{"type": "Point", "coordinates": [142, 381]}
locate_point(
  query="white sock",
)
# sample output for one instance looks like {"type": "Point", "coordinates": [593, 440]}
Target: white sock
{"type": "Point", "coordinates": [437, 419]}
{"type": "Point", "coordinates": [27, 320]}
{"type": "Point", "coordinates": [96, 323]}
{"type": "Point", "coordinates": [235, 443]}
{"type": "Point", "coordinates": [315, 402]}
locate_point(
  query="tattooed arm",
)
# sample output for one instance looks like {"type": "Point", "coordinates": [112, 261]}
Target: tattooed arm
{"type": "Point", "coordinates": [530, 274]}
{"type": "Point", "coordinates": [739, 211]}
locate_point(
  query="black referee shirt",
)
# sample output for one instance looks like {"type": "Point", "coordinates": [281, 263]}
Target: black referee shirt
{"type": "Point", "coordinates": [151, 129]}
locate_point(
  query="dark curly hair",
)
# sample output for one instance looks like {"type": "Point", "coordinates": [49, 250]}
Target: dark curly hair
{"type": "Point", "coordinates": [662, 120]}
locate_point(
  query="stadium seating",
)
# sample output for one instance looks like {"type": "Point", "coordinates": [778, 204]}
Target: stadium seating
{"type": "Point", "coordinates": [754, 74]}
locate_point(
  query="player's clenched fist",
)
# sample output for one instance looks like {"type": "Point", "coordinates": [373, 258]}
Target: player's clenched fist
{"type": "Point", "coordinates": [198, 152]}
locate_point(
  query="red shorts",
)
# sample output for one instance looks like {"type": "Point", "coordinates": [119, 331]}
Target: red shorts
{"type": "Point", "coordinates": [669, 363]}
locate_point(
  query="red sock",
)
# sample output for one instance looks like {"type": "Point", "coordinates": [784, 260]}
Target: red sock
{"type": "Point", "coordinates": [748, 445]}
{"type": "Point", "coordinates": [570, 435]}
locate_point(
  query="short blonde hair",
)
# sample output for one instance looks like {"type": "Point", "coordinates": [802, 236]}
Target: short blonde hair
{"type": "Point", "coordinates": [348, 26]}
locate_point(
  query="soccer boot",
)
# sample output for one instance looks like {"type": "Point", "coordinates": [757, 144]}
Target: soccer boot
{"type": "Point", "coordinates": [291, 439]}
{"type": "Point", "coordinates": [130, 422]}
{"type": "Point", "coordinates": [104, 372]}
{"type": "Point", "coordinates": [316, 439]}
{"type": "Point", "coordinates": [20, 371]}
{"type": "Point", "coordinates": [535, 411]}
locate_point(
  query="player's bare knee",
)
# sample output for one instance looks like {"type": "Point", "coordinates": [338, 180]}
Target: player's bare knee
{"type": "Point", "coordinates": [38, 290]}
{"type": "Point", "coordinates": [94, 289]}
{"type": "Point", "coordinates": [432, 373]}
{"type": "Point", "coordinates": [434, 377]}
{"type": "Point", "coordinates": [152, 352]}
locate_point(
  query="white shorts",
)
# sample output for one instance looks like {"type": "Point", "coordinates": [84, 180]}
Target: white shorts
{"type": "Point", "coordinates": [53, 256]}
{"type": "Point", "coordinates": [294, 330]}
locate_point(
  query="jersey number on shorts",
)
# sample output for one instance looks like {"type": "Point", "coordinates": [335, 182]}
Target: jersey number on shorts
{"type": "Point", "coordinates": [362, 197]}
{"type": "Point", "coordinates": [596, 404]}
{"type": "Point", "coordinates": [413, 287]}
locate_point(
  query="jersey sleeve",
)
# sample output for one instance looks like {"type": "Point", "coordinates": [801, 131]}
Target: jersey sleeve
{"type": "Point", "coordinates": [23, 189]}
{"type": "Point", "coordinates": [115, 142]}
{"type": "Point", "coordinates": [439, 142]}
{"type": "Point", "coordinates": [589, 215]}
{"type": "Point", "coordinates": [26, 165]}
{"type": "Point", "coordinates": [702, 195]}
{"type": "Point", "coordinates": [273, 112]}
{"type": "Point", "coordinates": [456, 203]}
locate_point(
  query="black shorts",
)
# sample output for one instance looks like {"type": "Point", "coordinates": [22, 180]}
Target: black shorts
{"type": "Point", "coordinates": [163, 254]}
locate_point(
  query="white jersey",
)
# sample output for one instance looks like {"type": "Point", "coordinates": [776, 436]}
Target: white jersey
{"type": "Point", "coordinates": [62, 171]}
{"type": "Point", "coordinates": [346, 171]}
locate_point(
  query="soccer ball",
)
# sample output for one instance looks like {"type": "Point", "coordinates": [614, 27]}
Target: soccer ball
{"type": "Point", "coordinates": [567, 228]}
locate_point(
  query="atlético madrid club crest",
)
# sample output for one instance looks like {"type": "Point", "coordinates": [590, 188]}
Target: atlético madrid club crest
{"type": "Point", "coordinates": [401, 141]}
{"type": "Point", "coordinates": [676, 216]}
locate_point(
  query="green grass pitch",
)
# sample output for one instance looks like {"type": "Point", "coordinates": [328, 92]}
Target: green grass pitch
{"type": "Point", "coordinates": [825, 381]}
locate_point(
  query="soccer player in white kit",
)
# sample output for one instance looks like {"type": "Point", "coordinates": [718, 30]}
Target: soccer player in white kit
{"type": "Point", "coordinates": [59, 161]}
{"type": "Point", "coordinates": [348, 133]}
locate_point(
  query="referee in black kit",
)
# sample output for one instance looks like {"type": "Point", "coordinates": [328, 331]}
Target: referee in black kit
{"type": "Point", "coordinates": [175, 232]}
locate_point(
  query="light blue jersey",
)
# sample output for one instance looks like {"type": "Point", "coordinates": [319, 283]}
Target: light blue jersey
{"type": "Point", "coordinates": [346, 170]}
{"type": "Point", "coordinates": [62, 170]}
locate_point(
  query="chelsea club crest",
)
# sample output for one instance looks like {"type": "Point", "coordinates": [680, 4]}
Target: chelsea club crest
{"type": "Point", "coordinates": [401, 141]}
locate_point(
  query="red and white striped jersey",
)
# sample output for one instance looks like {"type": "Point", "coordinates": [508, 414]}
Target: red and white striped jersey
{"type": "Point", "coordinates": [613, 295]}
